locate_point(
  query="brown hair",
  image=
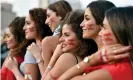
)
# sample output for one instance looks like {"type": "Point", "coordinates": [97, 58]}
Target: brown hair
{"type": "Point", "coordinates": [61, 8]}
{"type": "Point", "coordinates": [16, 28]}
{"type": "Point", "coordinates": [38, 15]}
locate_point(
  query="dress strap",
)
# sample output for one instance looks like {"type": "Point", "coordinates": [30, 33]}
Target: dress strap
{"type": "Point", "coordinates": [76, 59]}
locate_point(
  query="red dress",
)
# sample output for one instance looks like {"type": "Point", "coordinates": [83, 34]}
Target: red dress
{"type": "Point", "coordinates": [121, 70]}
{"type": "Point", "coordinates": [6, 74]}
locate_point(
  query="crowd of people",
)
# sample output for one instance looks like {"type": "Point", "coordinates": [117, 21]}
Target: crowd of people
{"type": "Point", "coordinates": [59, 43]}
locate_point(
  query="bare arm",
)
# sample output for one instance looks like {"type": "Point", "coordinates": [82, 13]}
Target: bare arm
{"type": "Point", "coordinates": [48, 46]}
{"type": "Point", "coordinates": [33, 70]}
{"type": "Point", "coordinates": [56, 55]}
{"type": "Point", "coordinates": [65, 62]}
{"type": "Point", "coordinates": [35, 50]}
{"type": "Point", "coordinates": [12, 65]}
{"type": "Point", "coordinates": [104, 75]}
{"type": "Point", "coordinates": [95, 60]}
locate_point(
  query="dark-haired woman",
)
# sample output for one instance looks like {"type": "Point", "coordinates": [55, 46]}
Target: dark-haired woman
{"type": "Point", "coordinates": [16, 43]}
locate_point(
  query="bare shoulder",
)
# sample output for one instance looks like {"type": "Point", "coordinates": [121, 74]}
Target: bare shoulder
{"type": "Point", "coordinates": [66, 59]}
{"type": "Point", "coordinates": [50, 40]}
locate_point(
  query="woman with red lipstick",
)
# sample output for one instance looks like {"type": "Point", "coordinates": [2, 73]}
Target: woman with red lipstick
{"type": "Point", "coordinates": [36, 29]}
{"type": "Point", "coordinates": [16, 42]}
{"type": "Point", "coordinates": [91, 26]}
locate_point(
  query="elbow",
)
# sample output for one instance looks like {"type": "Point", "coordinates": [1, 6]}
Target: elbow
{"type": "Point", "coordinates": [53, 76]}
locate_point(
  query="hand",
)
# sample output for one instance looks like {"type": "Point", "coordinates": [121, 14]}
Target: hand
{"type": "Point", "coordinates": [111, 53]}
{"type": "Point", "coordinates": [11, 63]}
{"type": "Point", "coordinates": [58, 51]}
{"type": "Point", "coordinates": [35, 50]}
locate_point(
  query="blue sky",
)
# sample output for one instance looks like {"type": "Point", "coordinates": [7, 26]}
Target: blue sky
{"type": "Point", "coordinates": [21, 7]}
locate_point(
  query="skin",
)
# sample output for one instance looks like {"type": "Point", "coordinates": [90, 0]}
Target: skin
{"type": "Point", "coordinates": [89, 26]}
{"type": "Point", "coordinates": [68, 39]}
{"type": "Point", "coordinates": [10, 40]}
{"type": "Point", "coordinates": [30, 33]}
{"type": "Point", "coordinates": [91, 30]}
{"type": "Point", "coordinates": [107, 35]}
{"type": "Point", "coordinates": [70, 43]}
{"type": "Point", "coordinates": [52, 19]}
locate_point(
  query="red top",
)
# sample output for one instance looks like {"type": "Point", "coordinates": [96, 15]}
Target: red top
{"type": "Point", "coordinates": [6, 74]}
{"type": "Point", "coordinates": [121, 70]}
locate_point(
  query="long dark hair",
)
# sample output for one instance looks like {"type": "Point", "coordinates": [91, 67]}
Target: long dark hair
{"type": "Point", "coordinates": [61, 8]}
{"type": "Point", "coordinates": [98, 9]}
{"type": "Point", "coordinates": [16, 28]}
{"type": "Point", "coordinates": [74, 19]}
{"type": "Point", "coordinates": [121, 22]}
{"type": "Point", "coordinates": [38, 15]}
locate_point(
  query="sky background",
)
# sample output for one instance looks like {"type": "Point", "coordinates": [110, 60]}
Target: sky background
{"type": "Point", "coordinates": [21, 7]}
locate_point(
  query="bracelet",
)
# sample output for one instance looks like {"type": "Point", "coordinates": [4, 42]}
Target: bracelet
{"type": "Point", "coordinates": [38, 60]}
{"type": "Point", "coordinates": [49, 67]}
{"type": "Point", "coordinates": [78, 66]}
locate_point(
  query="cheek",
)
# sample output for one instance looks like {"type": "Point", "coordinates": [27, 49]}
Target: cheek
{"type": "Point", "coordinates": [108, 37]}
{"type": "Point", "coordinates": [70, 42]}
{"type": "Point", "coordinates": [90, 26]}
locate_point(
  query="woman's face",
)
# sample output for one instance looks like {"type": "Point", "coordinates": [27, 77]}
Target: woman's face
{"type": "Point", "coordinates": [52, 19]}
{"type": "Point", "coordinates": [106, 34]}
{"type": "Point", "coordinates": [10, 40]}
{"type": "Point", "coordinates": [89, 26]}
{"type": "Point", "coordinates": [69, 40]}
{"type": "Point", "coordinates": [30, 28]}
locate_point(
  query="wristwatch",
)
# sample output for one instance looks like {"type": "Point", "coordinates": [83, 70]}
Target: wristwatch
{"type": "Point", "coordinates": [86, 59]}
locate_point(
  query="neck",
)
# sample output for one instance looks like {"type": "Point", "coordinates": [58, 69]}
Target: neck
{"type": "Point", "coordinates": [38, 41]}
{"type": "Point", "coordinates": [98, 41]}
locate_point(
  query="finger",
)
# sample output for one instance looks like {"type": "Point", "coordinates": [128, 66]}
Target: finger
{"type": "Point", "coordinates": [114, 45]}
{"type": "Point", "coordinates": [14, 59]}
{"type": "Point", "coordinates": [123, 49]}
{"type": "Point", "coordinates": [121, 56]}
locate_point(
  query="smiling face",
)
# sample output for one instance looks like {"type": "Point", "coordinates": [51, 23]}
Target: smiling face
{"type": "Point", "coordinates": [69, 39]}
{"type": "Point", "coordinates": [89, 26]}
{"type": "Point", "coordinates": [30, 28]}
{"type": "Point", "coordinates": [106, 34]}
{"type": "Point", "coordinates": [52, 19]}
{"type": "Point", "coordinates": [10, 40]}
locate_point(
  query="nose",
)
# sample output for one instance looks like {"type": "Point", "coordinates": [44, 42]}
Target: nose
{"type": "Point", "coordinates": [47, 21]}
{"type": "Point", "coordinates": [61, 39]}
{"type": "Point", "coordinates": [101, 32]}
{"type": "Point", "coordinates": [82, 24]}
{"type": "Point", "coordinates": [24, 27]}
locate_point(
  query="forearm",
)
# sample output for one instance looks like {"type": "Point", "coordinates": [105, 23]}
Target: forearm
{"type": "Point", "coordinates": [41, 67]}
{"type": "Point", "coordinates": [74, 71]}
{"type": "Point", "coordinates": [17, 74]}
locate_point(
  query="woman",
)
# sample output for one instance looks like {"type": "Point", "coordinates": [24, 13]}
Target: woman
{"type": "Point", "coordinates": [73, 47]}
{"type": "Point", "coordinates": [16, 42]}
{"type": "Point", "coordinates": [35, 28]}
{"type": "Point", "coordinates": [93, 18]}
{"type": "Point", "coordinates": [55, 14]}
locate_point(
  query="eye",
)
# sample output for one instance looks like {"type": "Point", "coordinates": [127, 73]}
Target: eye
{"type": "Point", "coordinates": [86, 18]}
{"type": "Point", "coordinates": [27, 22]}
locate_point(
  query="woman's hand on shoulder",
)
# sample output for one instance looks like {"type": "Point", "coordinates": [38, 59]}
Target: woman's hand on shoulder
{"type": "Point", "coordinates": [35, 50]}
{"type": "Point", "coordinates": [11, 63]}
